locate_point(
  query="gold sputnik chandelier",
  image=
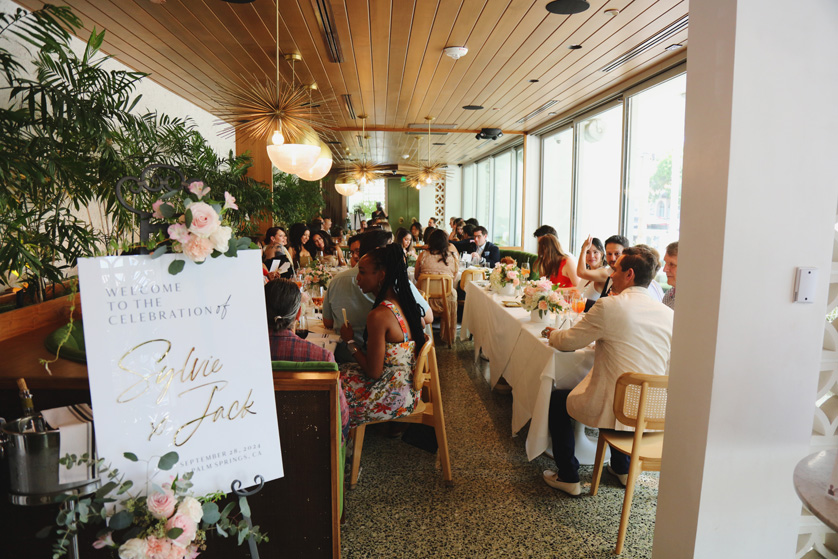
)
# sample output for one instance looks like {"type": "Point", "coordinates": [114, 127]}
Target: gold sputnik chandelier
{"type": "Point", "coordinates": [419, 175]}
{"type": "Point", "coordinates": [282, 113]}
{"type": "Point", "coordinates": [362, 171]}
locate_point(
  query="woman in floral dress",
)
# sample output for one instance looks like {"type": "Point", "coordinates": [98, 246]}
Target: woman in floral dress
{"type": "Point", "coordinates": [380, 385]}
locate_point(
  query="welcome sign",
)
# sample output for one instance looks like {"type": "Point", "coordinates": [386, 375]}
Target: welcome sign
{"type": "Point", "coordinates": [181, 363]}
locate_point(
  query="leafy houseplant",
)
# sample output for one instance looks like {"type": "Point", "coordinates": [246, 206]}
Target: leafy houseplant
{"type": "Point", "coordinates": [296, 200]}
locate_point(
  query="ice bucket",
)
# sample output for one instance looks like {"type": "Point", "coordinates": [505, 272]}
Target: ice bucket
{"type": "Point", "coordinates": [32, 460]}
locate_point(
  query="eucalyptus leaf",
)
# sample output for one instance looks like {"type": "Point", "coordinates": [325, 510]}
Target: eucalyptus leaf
{"type": "Point", "coordinates": [232, 250]}
{"type": "Point", "coordinates": [245, 508]}
{"type": "Point", "coordinates": [167, 210]}
{"type": "Point", "coordinates": [211, 514]}
{"type": "Point", "coordinates": [243, 243]}
{"type": "Point", "coordinates": [169, 194]}
{"type": "Point", "coordinates": [125, 487]}
{"type": "Point", "coordinates": [167, 461]}
{"type": "Point", "coordinates": [221, 532]}
{"type": "Point", "coordinates": [105, 489]}
{"type": "Point", "coordinates": [121, 520]}
{"type": "Point", "coordinates": [227, 510]}
{"type": "Point", "coordinates": [130, 455]}
{"type": "Point", "coordinates": [188, 218]}
{"type": "Point", "coordinates": [44, 532]}
{"type": "Point", "coordinates": [174, 533]}
{"type": "Point", "coordinates": [242, 535]}
{"type": "Point", "coordinates": [176, 267]}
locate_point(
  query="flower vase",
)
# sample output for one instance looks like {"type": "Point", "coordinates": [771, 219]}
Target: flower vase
{"type": "Point", "coordinates": [539, 318]}
{"type": "Point", "coordinates": [507, 290]}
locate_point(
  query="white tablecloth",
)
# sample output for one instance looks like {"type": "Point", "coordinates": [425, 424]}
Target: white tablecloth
{"type": "Point", "coordinates": [519, 354]}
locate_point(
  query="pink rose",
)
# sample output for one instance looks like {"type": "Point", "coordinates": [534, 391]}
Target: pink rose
{"type": "Point", "coordinates": [104, 541]}
{"type": "Point", "coordinates": [197, 188]}
{"type": "Point", "coordinates": [189, 527]}
{"type": "Point", "coordinates": [542, 305]}
{"type": "Point", "coordinates": [204, 219]}
{"type": "Point", "coordinates": [229, 202]}
{"type": "Point", "coordinates": [155, 209]}
{"type": "Point", "coordinates": [554, 297]}
{"type": "Point", "coordinates": [179, 233]}
{"type": "Point", "coordinates": [529, 291]}
{"type": "Point", "coordinates": [197, 248]}
{"type": "Point", "coordinates": [516, 282]}
{"type": "Point", "coordinates": [162, 505]}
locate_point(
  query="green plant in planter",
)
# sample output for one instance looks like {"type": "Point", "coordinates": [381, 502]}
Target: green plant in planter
{"type": "Point", "coordinates": [296, 200]}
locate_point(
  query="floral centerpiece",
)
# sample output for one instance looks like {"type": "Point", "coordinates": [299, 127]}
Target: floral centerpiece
{"type": "Point", "coordinates": [163, 522]}
{"type": "Point", "coordinates": [197, 226]}
{"type": "Point", "coordinates": [542, 297]}
{"type": "Point", "coordinates": [505, 277]}
{"type": "Point", "coordinates": [316, 276]}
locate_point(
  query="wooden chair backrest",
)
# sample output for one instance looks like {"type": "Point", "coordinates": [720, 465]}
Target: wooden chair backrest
{"type": "Point", "coordinates": [640, 400]}
{"type": "Point", "coordinates": [421, 369]}
{"type": "Point", "coordinates": [436, 285]}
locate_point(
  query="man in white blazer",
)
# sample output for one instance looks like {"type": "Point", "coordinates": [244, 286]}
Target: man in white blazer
{"type": "Point", "coordinates": [633, 333]}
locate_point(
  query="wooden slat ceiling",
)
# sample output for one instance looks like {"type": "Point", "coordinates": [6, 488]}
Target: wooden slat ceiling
{"type": "Point", "coordinates": [393, 66]}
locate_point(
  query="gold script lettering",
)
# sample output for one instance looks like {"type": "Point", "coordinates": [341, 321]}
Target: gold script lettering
{"type": "Point", "coordinates": [234, 411]}
{"type": "Point", "coordinates": [141, 385]}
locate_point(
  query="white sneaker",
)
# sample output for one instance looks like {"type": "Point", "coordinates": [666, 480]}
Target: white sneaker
{"type": "Point", "coordinates": [551, 478]}
{"type": "Point", "coordinates": [622, 477]}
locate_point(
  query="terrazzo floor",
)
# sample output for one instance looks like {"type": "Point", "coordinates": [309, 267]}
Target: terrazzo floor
{"type": "Point", "coordinates": [499, 505]}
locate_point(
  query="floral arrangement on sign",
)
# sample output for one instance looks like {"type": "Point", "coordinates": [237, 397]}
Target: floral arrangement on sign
{"type": "Point", "coordinates": [164, 522]}
{"type": "Point", "coordinates": [504, 274]}
{"type": "Point", "coordinates": [542, 295]}
{"type": "Point", "coordinates": [316, 276]}
{"type": "Point", "coordinates": [198, 229]}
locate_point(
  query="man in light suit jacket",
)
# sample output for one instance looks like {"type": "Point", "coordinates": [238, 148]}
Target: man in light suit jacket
{"type": "Point", "coordinates": [633, 333]}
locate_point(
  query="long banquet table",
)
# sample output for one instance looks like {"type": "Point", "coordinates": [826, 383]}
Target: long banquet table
{"type": "Point", "coordinates": [517, 352]}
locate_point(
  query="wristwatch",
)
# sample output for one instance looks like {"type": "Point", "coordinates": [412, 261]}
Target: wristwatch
{"type": "Point", "coordinates": [352, 346]}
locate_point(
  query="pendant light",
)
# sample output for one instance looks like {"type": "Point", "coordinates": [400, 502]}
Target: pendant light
{"type": "Point", "coordinates": [324, 159]}
{"type": "Point", "coordinates": [288, 157]}
{"type": "Point", "coordinates": [346, 188]}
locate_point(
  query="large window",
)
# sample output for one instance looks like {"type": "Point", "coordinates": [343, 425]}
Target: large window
{"type": "Point", "coordinates": [598, 159]}
{"type": "Point", "coordinates": [655, 159]}
{"type": "Point", "coordinates": [492, 193]}
{"type": "Point", "coordinates": [557, 182]}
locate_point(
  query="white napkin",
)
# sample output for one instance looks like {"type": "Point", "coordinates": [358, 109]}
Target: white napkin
{"type": "Point", "coordinates": [325, 340]}
{"type": "Point", "coordinates": [75, 429]}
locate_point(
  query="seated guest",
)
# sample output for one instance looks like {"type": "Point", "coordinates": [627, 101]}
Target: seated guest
{"type": "Point", "coordinates": [274, 243]}
{"type": "Point", "coordinates": [384, 225]}
{"type": "Point", "coordinates": [405, 240]}
{"type": "Point", "coordinates": [438, 259]}
{"type": "Point", "coordinates": [545, 230]}
{"type": "Point", "coordinates": [380, 385]}
{"type": "Point", "coordinates": [299, 237]}
{"type": "Point", "coordinates": [670, 268]}
{"type": "Point", "coordinates": [655, 289]}
{"type": "Point", "coordinates": [416, 231]}
{"type": "Point", "coordinates": [316, 225]}
{"type": "Point", "coordinates": [633, 333]}
{"type": "Point", "coordinates": [432, 222]}
{"type": "Point", "coordinates": [323, 244]}
{"type": "Point", "coordinates": [457, 231]}
{"type": "Point", "coordinates": [468, 232]}
{"type": "Point", "coordinates": [614, 246]}
{"type": "Point", "coordinates": [473, 221]}
{"type": "Point", "coordinates": [594, 260]}
{"type": "Point", "coordinates": [554, 264]}
{"type": "Point", "coordinates": [282, 299]}
{"type": "Point", "coordinates": [327, 225]}
{"type": "Point", "coordinates": [482, 248]}
{"type": "Point", "coordinates": [344, 295]}
{"type": "Point", "coordinates": [354, 250]}
{"type": "Point", "coordinates": [452, 222]}
{"type": "Point", "coordinates": [426, 234]}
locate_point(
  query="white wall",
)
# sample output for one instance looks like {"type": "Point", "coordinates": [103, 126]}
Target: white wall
{"type": "Point", "coordinates": [759, 200]}
{"type": "Point", "coordinates": [154, 96]}
{"type": "Point", "coordinates": [532, 194]}
{"type": "Point", "coordinates": [453, 195]}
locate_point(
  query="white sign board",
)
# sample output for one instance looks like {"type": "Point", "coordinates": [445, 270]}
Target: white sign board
{"type": "Point", "coordinates": [181, 363]}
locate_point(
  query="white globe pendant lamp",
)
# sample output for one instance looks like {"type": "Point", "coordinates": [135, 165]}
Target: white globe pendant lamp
{"type": "Point", "coordinates": [321, 167]}
{"type": "Point", "coordinates": [346, 188]}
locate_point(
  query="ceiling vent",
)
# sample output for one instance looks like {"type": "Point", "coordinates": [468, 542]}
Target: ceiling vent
{"type": "Point", "coordinates": [350, 110]}
{"type": "Point", "coordinates": [327, 29]}
{"type": "Point", "coordinates": [538, 111]}
{"type": "Point", "coordinates": [421, 129]}
{"type": "Point", "coordinates": [659, 37]}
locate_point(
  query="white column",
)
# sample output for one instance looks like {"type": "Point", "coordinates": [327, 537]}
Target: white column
{"type": "Point", "coordinates": [759, 200]}
{"type": "Point", "coordinates": [532, 192]}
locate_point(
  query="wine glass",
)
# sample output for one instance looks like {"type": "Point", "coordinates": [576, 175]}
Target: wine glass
{"type": "Point", "coordinates": [577, 303]}
{"type": "Point", "coordinates": [525, 271]}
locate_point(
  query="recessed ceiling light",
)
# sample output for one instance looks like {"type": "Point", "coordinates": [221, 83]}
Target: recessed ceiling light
{"type": "Point", "coordinates": [612, 12]}
{"type": "Point", "coordinates": [405, 155]}
{"type": "Point", "coordinates": [552, 114]}
{"type": "Point", "coordinates": [674, 46]}
{"type": "Point", "coordinates": [533, 80]}
{"type": "Point", "coordinates": [438, 144]}
{"type": "Point", "coordinates": [567, 7]}
{"type": "Point", "coordinates": [473, 107]}
{"type": "Point", "coordinates": [574, 47]}
{"type": "Point", "coordinates": [455, 52]}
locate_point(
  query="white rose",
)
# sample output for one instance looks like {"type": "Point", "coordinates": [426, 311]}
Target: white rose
{"type": "Point", "coordinates": [220, 238]}
{"type": "Point", "coordinates": [133, 549]}
{"type": "Point", "coordinates": [191, 508]}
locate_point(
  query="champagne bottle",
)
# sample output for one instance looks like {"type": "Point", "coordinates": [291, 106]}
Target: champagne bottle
{"type": "Point", "coordinates": [34, 421]}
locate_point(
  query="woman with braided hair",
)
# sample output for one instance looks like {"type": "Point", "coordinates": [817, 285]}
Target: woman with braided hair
{"type": "Point", "coordinates": [380, 385]}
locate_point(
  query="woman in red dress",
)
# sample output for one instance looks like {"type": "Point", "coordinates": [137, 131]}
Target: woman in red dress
{"type": "Point", "coordinates": [554, 264]}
